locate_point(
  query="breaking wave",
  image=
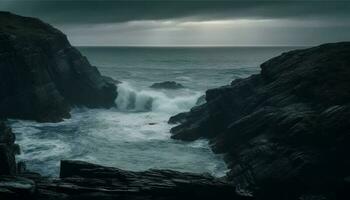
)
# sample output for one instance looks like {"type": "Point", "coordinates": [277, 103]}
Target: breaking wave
{"type": "Point", "coordinates": [131, 99]}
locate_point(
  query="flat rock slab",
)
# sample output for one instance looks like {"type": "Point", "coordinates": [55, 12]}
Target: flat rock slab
{"type": "Point", "coordinates": [12, 187]}
{"type": "Point", "coordinates": [82, 180]}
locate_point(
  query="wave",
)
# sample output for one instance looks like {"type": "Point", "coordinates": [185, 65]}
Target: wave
{"type": "Point", "coordinates": [131, 99]}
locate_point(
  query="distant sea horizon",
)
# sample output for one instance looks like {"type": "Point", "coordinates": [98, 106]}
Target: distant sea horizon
{"type": "Point", "coordinates": [195, 46]}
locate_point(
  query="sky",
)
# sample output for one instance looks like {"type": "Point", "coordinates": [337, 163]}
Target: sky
{"type": "Point", "coordinates": [192, 23]}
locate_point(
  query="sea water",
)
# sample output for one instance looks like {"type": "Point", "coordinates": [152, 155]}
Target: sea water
{"type": "Point", "coordinates": [135, 135]}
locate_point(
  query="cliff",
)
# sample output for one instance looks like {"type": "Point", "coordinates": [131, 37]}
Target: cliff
{"type": "Point", "coordinates": [286, 131]}
{"type": "Point", "coordinates": [42, 75]}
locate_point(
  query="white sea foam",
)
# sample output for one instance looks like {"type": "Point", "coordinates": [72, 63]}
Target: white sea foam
{"type": "Point", "coordinates": [131, 99]}
{"type": "Point", "coordinates": [134, 136]}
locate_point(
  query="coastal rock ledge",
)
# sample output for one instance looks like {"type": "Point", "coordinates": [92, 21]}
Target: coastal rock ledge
{"type": "Point", "coordinates": [286, 131]}
{"type": "Point", "coordinates": [85, 181]}
{"type": "Point", "coordinates": [82, 180]}
{"type": "Point", "coordinates": [42, 75]}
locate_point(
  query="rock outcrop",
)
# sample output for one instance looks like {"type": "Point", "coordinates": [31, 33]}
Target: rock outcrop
{"type": "Point", "coordinates": [172, 85]}
{"type": "Point", "coordinates": [42, 75]}
{"type": "Point", "coordinates": [81, 180]}
{"type": "Point", "coordinates": [286, 131]}
{"type": "Point", "coordinates": [8, 150]}
{"type": "Point", "coordinates": [200, 100]}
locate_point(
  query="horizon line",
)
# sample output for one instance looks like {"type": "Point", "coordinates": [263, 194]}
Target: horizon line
{"type": "Point", "coordinates": [191, 46]}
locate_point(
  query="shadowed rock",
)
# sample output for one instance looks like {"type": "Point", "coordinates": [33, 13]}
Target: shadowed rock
{"type": "Point", "coordinates": [42, 75]}
{"type": "Point", "coordinates": [8, 150]}
{"type": "Point", "coordinates": [82, 180]}
{"type": "Point", "coordinates": [167, 85]}
{"type": "Point", "coordinates": [285, 132]}
{"type": "Point", "coordinates": [200, 100]}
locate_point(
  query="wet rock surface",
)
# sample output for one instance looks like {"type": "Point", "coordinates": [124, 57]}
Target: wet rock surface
{"type": "Point", "coordinates": [286, 131]}
{"type": "Point", "coordinates": [81, 180]}
{"type": "Point", "coordinates": [167, 85]}
{"type": "Point", "coordinates": [42, 75]}
{"type": "Point", "coordinates": [8, 150]}
{"type": "Point", "coordinates": [200, 100]}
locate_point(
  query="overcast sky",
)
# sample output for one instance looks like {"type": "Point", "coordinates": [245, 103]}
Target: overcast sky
{"type": "Point", "coordinates": [185, 23]}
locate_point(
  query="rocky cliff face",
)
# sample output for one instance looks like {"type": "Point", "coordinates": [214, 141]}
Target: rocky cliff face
{"type": "Point", "coordinates": [42, 75]}
{"type": "Point", "coordinates": [285, 131]}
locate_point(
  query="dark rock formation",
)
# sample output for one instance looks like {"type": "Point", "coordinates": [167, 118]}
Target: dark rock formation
{"type": "Point", "coordinates": [81, 180]}
{"type": "Point", "coordinates": [167, 85]}
{"type": "Point", "coordinates": [8, 150]}
{"type": "Point", "coordinates": [42, 75]}
{"type": "Point", "coordinates": [178, 118]}
{"type": "Point", "coordinates": [111, 80]}
{"type": "Point", "coordinates": [286, 131]}
{"type": "Point", "coordinates": [200, 100]}
{"type": "Point", "coordinates": [16, 188]}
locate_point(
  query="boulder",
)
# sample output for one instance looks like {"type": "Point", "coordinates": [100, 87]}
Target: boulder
{"type": "Point", "coordinates": [285, 131]}
{"type": "Point", "coordinates": [42, 75]}
{"type": "Point", "coordinates": [172, 85]}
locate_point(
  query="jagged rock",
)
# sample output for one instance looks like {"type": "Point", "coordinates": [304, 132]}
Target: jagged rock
{"type": "Point", "coordinates": [178, 118]}
{"type": "Point", "coordinates": [285, 132]}
{"type": "Point", "coordinates": [8, 150]}
{"type": "Point", "coordinates": [111, 80]}
{"type": "Point", "coordinates": [200, 100]}
{"type": "Point", "coordinates": [42, 75]}
{"type": "Point", "coordinates": [167, 85]}
{"type": "Point", "coordinates": [82, 180]}
{"type": "Point", "coordinates": [165, 184]}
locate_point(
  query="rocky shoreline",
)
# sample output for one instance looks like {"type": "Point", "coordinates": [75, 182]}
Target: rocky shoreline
{"type": "Point", "coordinates": [82, 180]}
{"type": "Point", "coordinates": [285, 131]}
{"type": "Point", "coordinates": [42, 77]}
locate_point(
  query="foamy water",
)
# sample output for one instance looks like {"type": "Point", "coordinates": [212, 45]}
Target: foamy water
{"type": "Point", "coordinates": [135, 135]}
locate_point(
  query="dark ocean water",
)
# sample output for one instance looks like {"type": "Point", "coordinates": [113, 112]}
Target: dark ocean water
{"type": "Point", "coordinates": [124, 137]}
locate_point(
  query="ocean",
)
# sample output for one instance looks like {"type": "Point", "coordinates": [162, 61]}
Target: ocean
{"type": "Point", "coordinates": [135, 135]}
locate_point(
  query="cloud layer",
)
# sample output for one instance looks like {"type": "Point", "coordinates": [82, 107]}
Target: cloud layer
{"type": "Point", "coordinates": [102, 11]}
{"type": "Point", "coordinates": [291, 21]}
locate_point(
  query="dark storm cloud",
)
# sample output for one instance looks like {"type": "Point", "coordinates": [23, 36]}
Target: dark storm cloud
{"type": "Point", "coordinates": [196, 22]}
{"type": "Point", "coordinates": [93, 11]}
